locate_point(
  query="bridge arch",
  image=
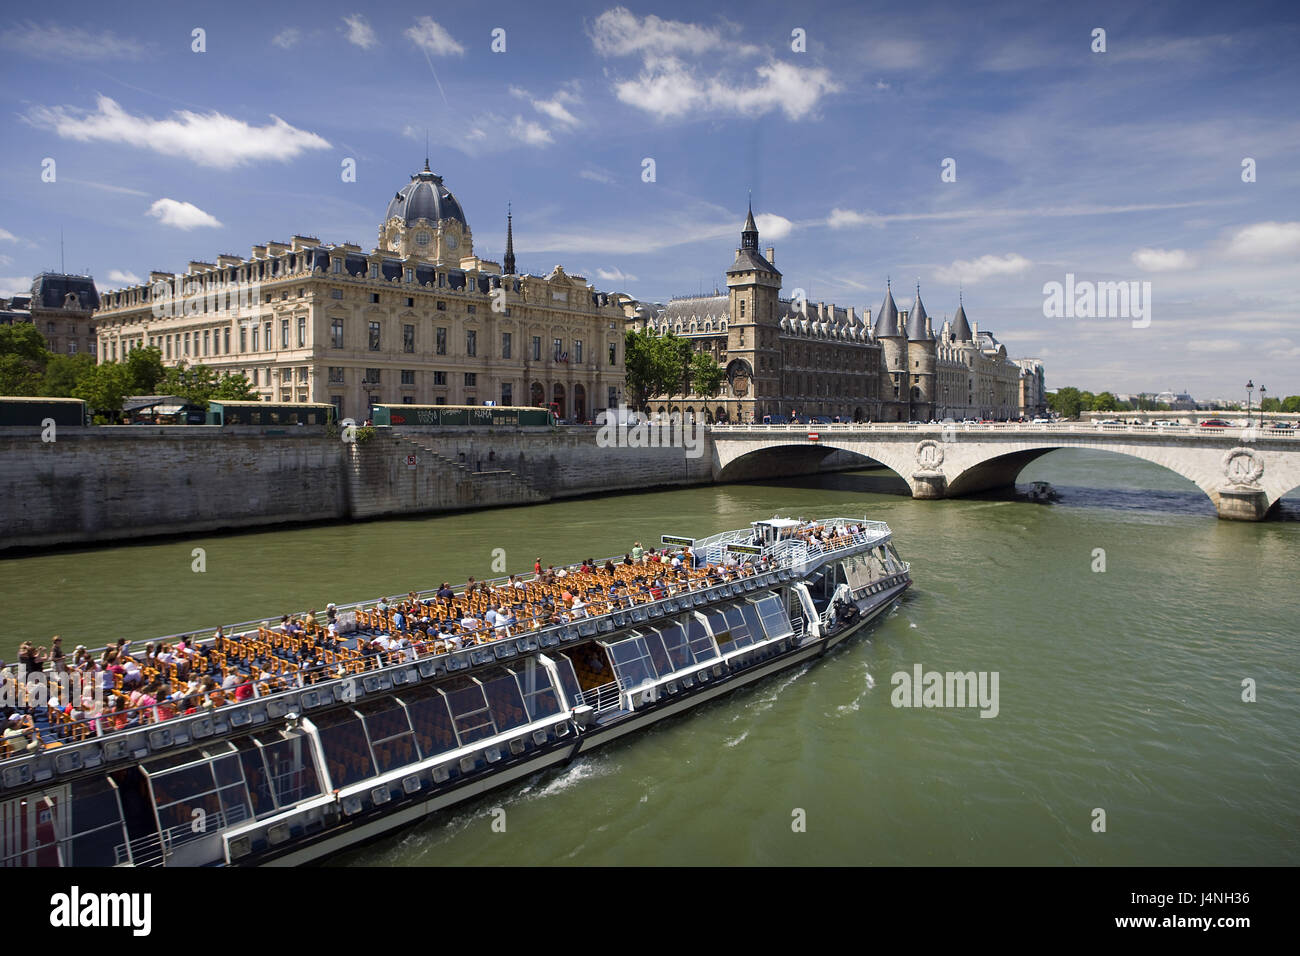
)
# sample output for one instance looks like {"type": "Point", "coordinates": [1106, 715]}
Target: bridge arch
{"type": "Point", "coordinates": [1244, 475]}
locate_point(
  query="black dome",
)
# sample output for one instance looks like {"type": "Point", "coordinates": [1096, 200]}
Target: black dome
{"type": "Point", "coordinates": [425, 197]}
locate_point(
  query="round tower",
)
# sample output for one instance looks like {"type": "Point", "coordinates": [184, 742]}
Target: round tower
{"type": "Point", "coordinates": [921, 360]}
{"type": "Point", "coordinates": [893, 344]}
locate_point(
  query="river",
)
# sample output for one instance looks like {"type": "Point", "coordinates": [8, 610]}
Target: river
{"type": "Point", "coordinates": [1119, 690]}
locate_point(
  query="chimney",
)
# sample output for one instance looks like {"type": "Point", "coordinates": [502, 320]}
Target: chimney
{"type": "Point", "coordinates": [852, 317]}
{"type": "Point", "coordinates": [771, 254]}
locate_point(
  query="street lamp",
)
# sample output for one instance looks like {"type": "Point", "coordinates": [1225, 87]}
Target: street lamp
{"type": "Point", "coordinates": [1250, 387]}
{"type": "Point", "coordinates": [1262, 390]}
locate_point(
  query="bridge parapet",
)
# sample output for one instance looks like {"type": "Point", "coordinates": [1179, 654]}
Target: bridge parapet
{"type": "Point", "coordinates": [1244, 471]}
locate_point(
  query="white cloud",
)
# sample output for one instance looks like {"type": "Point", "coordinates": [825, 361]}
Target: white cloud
{"type": "Point", "coordinates": [668, 89]}
{"type": "Point", "coordinates": [985, 267]}
{"type": "Point", "coordinates": [772, 226]}
{"type": "Point", "coordinates": [557, 107]}
{"type": "Point", "coordinates": [211, 139]}
{"type": "Point", "coordinates": [432, 37]}
{"type": "Point", "coordinates": [7, 236]}
{"type": "Point", "coordinates": [619, 32]}
{"type": "Point", "coordinates": [360, 32]}
{"type": "Point", "coordinates": [597, 176]}
{"type": "Point", "coordinates": [881, 85]}
{"type": "Point", "coordinates": [182, 215]}
{"type": "Point", "coordinates": [844, 218]}
{"type": "Point", "coordinates": [1213, 345]}
{"type": "Point", "coordinates": [526, 131]}
{"type": "Point", "coordinates": [54, 41]}
{"type": "Point", "coordinates": [1282, 348]}
{"type": "Point", "coordinates": [124, 278]}
{"type": "Point", "coordinates": [614, 275]}
{"type": "Point", "coordinates": [1162, 260]}
{"type": "Point", "coordinates": [1263, 239]}
{"type": "Point", "coordinates": [15, 285]}
{"type": "Point", "coordinates": [287, 38]}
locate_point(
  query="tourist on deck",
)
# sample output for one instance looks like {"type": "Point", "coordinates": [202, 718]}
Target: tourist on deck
{"type": "Point", "coordinates": [57, 658]}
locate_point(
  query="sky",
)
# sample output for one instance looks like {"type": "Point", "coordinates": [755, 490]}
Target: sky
{"type": "Point", "coordinates": [982, 149]}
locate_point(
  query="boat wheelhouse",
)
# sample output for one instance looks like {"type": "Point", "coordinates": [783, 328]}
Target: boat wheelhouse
{"type": "Point", "coordinates": [346, 744]}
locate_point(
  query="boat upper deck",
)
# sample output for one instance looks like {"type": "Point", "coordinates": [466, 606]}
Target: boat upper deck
{"type": "Point", "coordinates": [116, 690]}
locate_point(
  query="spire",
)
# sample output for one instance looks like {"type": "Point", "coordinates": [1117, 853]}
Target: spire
{"type": "Point", "coordinates": [426, 152]}
{"type": "Point", "coordinates": [960, 326]}
{"type": "Point", "coordinates": [510, 243]}
{"type": "Point", "coordinates": [917, 318]}
{"type": "Point", "coordinates": [887, 318]}
{"type": "Point", "coordinates": [749, 233]}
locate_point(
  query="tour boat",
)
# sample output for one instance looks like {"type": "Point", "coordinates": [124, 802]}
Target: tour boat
{"type": "Point", "coordinates": [328, 757]}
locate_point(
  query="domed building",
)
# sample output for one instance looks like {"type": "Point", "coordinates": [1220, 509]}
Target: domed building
{"type": "Point", "coordinates": [419, 319]}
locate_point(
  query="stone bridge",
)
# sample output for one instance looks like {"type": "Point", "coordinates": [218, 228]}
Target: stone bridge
{"type": "Point", "coordinates": [1243, 470]}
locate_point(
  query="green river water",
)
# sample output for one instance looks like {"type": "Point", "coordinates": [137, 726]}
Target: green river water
{"type": "Point", "coordinates": [1119, 690]}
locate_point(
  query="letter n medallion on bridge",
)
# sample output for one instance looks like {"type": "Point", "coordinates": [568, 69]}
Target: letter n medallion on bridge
{"type": "Point", "coordinates": [929, 480]}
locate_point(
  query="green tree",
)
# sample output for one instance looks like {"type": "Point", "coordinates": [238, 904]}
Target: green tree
{"type": "Point", "coordinates": [1066, 402]}
{"type": "Point", "coordinates": [65, 372]}
{"type": "Point", "coordinates": [198, 385]}
{"type": "Point", "coordinates": [145, 370]}
{"type": "Point", "coordinates": [104, 389]}
{"type": "Point", "coordinates": [1105, 402]}
{"type": "Point", "coordinates": [1291, 403]}
{"type": "Point", "coordinates": [706, 375]}
{"type": "Point", "coordinates": [23, 357]}
{"type": "Point", "coordinates": [653, 365]}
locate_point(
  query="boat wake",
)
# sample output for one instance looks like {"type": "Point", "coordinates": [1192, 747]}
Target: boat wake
{"type": "Point", "coordinates": [856, 704]}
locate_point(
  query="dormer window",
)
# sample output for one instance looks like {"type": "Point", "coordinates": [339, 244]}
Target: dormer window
{"type": "Point", "coordinates": [422, 238]}
{"type": "Point", "coordinates": [336, 265]}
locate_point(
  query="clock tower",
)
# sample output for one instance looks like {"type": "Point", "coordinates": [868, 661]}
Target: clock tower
{"type": "Point", "coordinates": [753, 330]}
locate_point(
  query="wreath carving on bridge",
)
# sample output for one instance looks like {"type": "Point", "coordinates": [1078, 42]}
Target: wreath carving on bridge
{"type": "Point", "coordinates": [1243, 466]}
{"type": "Point", "coordinates": [929, 454]}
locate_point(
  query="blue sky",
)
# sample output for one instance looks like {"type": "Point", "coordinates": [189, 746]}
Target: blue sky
{"type": "Point", "coordinates": [1123, 165]}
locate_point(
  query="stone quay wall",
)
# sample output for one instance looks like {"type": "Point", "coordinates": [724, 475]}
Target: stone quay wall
{"type": "Point", "coordinates": [108, 483]}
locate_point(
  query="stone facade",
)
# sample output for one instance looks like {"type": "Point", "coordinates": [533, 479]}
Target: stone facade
{"type": "Point", "coordinates": [420, 319]}
{"type": "Point", "coordinates": [787, 356]}
{"type": "Point", "coordinates": [62, 307]}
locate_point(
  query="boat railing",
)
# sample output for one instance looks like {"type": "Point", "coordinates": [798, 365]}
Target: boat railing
{"type": "Point", "coordinates": [153, 850]}
{"type": "Point", "coordinates": [604, 697]}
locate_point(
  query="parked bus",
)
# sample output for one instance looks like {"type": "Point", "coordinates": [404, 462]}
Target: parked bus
{"type": "Point", "coordinates": [269, 413]}
{"type": "Point", "coordinates": [503, 416]}
{"type": "Point", "coordinates": [24, 410]}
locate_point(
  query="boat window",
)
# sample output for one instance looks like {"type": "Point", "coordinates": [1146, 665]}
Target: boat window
{"type": "Point", "coordinates": [502, 692]}
{"type": "Point", "coordinates": [190, 802]}
{"type": "Point", "coordinates": [568, 679]}
{"type": "Point", "coordinates": [742, 634]}
{"type": "Point", "coordinates": [469, 710]}
{"type": "Point", "coordinates": [702, 646]}
{"type": "Point", "coordinates": [259, 782]}
{"type": "Point", "coordinates": [632, 662]}
{"type": "Point", "coordinates": [291, 768]}
{"type": "Point", "coordinates": [390, 734]}
{"type": "Point", "coordinates": [679, 652]}
{"type": "Point", "coordinates": [89, 824]}
{"type": "Point", "coordinates": [718, 625]}
{"type": "Point", "coordinates": [432, 722]}
{"type": "Point", "coordinates": [535, 686]}
{"type": "Point", "coordinates": [658, 653]}
{"type": "Point", "coordinates": [776, 623]}
{"type": "Point", "coordinates": [347, 752]}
